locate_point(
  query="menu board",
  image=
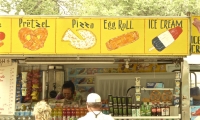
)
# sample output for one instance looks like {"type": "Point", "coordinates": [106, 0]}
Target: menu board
{"type": "Point", "coordinates": [97, 35]}
{"type": "Point", "coordinates": [195, 35]}
{"type": "Point", "coordinates": [8, 88]}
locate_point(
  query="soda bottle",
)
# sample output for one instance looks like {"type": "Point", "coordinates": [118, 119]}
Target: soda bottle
{"type": "Point", "coordinates": [142, 110]}
{"type": "Point", "coordinates": [167, 110]}
{"type": "Point", "coordinates": [64, 113]}
{"type": "Point", "coordinates": [163, 109]}
{"type": "Point", "coordinates": [153, 110]}
{"type": "Point", "coordinates": [82, 112]}
{"type": "Point", "coordinates": [55, 114]}
{"type": "Point", "coordinates": [86, 110]}
{"type": "Point", "coordinates": [52, 114]}
{"type": "Point", "coordinates": [138, 110]}
{"type": "Point", "coordinates": [77, 113]}
{"type": "Point", "coordinates": [73, 113]}
{"type": "Point", "coordinates": [148, 109]}
{"type": "Point", "coordinates": [158, 110]}
{"type": "Point", "coordinates": [134, 113]}
{"type": "Point", "coordinates": [68, 113]}
{"type": "Point", "coordinates": [59, 114]}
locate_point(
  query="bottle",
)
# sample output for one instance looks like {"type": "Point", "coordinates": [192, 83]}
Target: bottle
{"type": "Point", "coordinates": [73, 113]}
{"type": "Point", "coordinates": [142, 110]}
{"type": "Point", "coordinates": [158, 111]}
{"type": "Point", "coordinates": [153, 110]}
{"type": "Point", "coordinates": [64, 113]}
{"type": "Point", "coordinates": [82, 113]}
{"type": "Point", "coordinates": [60, 114]}
{"type": "Point", "coordinates": [77, 113]}
{"type": "Point", "coordinates": [134, 112]}
{"type": "Point", "coordinates": [32, 114]}
{"type": "Point", "coordinates": [17, 112]}
{"type": "Point", "coordinates": [138, 109]}
{"type": "Point", "coordinates": [163, 110]}
{"type": "Point", "coordinates": [167, 110]}
{"type": "Point", "coordinates": [68, 113]}
{"type": "Point", "coordinates": [52, 114]}
{"type": "Point", "coordinates": [55, 113]}
{"type": "Point", "coordinates": [148, 109]}
{"type": "Point", "coordinates": [107, 111]}
{"type": "Point", "coordinates": [86, 110]}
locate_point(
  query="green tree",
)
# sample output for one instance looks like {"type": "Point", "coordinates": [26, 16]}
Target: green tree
{"type": "Point", "coordinates": [141, 7]}
{"type": "Point", "coordinates": [31, 7]}
{"type": "Point", "coordinates": [104, 7]}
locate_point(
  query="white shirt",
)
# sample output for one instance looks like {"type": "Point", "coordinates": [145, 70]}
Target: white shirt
{"type": "Point", "coordinates": [91, 116]}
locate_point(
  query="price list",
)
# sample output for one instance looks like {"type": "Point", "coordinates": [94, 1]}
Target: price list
{"type": "Point", "coordinates": [8, 87]}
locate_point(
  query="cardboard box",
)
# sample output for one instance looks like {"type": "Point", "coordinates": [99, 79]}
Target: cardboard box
{"type": "Point", "coordinates": [155, 85]}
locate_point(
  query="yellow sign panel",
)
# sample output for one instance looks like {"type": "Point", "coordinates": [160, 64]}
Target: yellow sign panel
{"type": "Point", "coordinates": [78, 36]}
{"type": "Point", "coordinates": [5, 37]}
{"type": "Point", "coordinates": [164, 36]}
{"type": "Point", "coordinates": [195, 38]}
{"type": "Point", "coordinates": [122, 36]}
{"type": "Point", "coordinates": [33, 36]}
{"type": "Point", "coordinates": [99, 36]}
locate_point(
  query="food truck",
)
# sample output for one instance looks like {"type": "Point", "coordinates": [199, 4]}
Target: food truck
{"type": "Point", "coordinates": [136, 65]}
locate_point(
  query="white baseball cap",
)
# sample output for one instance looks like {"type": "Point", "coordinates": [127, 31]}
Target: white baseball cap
{"type": "Point", "coordinates": [93, 97]}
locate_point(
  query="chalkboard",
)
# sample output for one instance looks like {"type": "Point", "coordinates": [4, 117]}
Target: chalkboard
{"type": "Point", "coordinates": [8, 88]}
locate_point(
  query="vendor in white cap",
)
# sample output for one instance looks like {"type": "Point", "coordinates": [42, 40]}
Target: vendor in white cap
{"type": "Point", "coordinates": [94, 107]}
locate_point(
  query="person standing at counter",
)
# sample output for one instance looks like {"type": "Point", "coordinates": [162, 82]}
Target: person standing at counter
{"type": "Point", "coordinates": [68, 92]}
{"type": "Point", "coordinates": [42, 111]}
{"type": "Point", "coordinates": [94, 106]}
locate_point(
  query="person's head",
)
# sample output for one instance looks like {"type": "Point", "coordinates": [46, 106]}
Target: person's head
{"type": "Point", "coordinates": [68, 89]}
{"type": "Point", "coordinates": [42, 111]}
{"type": "Point", "coordinates": [94, 102]}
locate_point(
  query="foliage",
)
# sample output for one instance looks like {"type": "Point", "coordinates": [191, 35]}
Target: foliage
{"type": "Point", "coordinates": [104, 7]}
{"type": "Point", "coordinates": [31, 7]}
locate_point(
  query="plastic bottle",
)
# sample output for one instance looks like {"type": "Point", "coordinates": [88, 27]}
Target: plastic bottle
{"type": "Point", "coordinates": [86, 110]}
{"type": "Point", "coordinates": [77, 113]}
{"type": "Point", "coordinates": [68, 113]}
{"type": "Point", "coordinates": [142, 110]}
{"type": "Point", "coordinates": [52, 114]}
{"type": "Point", "coordinates": [153, 110]}
{"type": "Point", "coordinates": [60, 114]}
{"type": "Point", "coordinates": [167, 110]}
{"type": "Point", "coordinates": [148, 109]}
{"type": "Point", "coordinates": [163, 110]}
{"type": "Point", "coordinates": [138, 109]}
{"type": "Point", "coordinates": [73, 113]}
{"type": "Point", "coordinates": [82, 112]}
{"type": "Point", "coordinates": [64, 113]}
{"type": "Point", "coordinates": [158, 110]}
{"type": "Point", "coordinates": [134, 112]}
{"type": "Point", "coordinates": [55, 114]}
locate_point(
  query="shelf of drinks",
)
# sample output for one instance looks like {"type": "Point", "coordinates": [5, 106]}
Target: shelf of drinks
{"type": "Point", "coordinates": [148, 117]}
{"type": "Point", "coordinates": [157, 89]}
{"type": "Point", "coordinates": [85, 85]}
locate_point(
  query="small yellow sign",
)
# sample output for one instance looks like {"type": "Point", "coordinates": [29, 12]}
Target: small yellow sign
{"type": "Point", "coordinates": [164, 36]}
{"type": "Point", "coordinates": [122, 36]}
{"type": "Point", "coordinates": [5, 35]}
{"type": "Point", "coordinates": [195, 34]}
{"type": "Point", "coordinates": [78, 36]}
{"type": "Point", "coordinates": [33, 35]}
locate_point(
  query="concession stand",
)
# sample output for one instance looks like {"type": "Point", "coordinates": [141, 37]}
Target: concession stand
{"type": "Point", "coordinates": [135, 64]}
